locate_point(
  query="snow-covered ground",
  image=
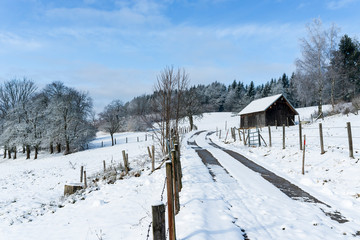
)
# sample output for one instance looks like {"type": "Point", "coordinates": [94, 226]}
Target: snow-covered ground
{"type": "Point", "coordinates": [32, 205]}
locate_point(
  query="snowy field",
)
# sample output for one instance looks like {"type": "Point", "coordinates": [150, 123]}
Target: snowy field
{"type": "Point", "coordinates": [32, 205]}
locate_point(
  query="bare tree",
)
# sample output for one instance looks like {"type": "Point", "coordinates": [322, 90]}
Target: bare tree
{"type": "Point", "coordinates": [112, 118]}
{"type": "Point", "coordinates": [315, 57]}
{"type": "Point", "coordinates": [168, 101]}
{"type": "Point", "coordinates": [192, 106]}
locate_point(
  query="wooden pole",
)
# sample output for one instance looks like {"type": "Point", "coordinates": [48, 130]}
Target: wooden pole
{"type": "Point", "coordinates": [145, 137]}
{"type": "Point", "coordinates": [217, 133]}
{"type": "Point", "coordinates": [244, 137]}
{"type": "Point", "coordinates": [148, 148]}
{"type": "Point", "coordinates": [179, 169]}
{"type": "Point", "coordinates": [115, 141]}
{"type": "Point", "coordinates": [102, 144]}
{"type": "Point", "coordinates": [158, 221]}
{"type": "Point", "coordinates": [283, 136]}
{"type": "Point", "coordinates": [81, 173]}
{"type": "Point", "coordinates": [85, 180]}
{"type": "Point", "coordinates": [239, 134]}
{"type": "Point", "coordinates": [269, 136]}
{"type": "Point", "coordinates": [170, 201]}
{"type": "Point", "coordinates": [351, 150]}
{"type": "Point", "coordinates": [303, 159]}
{"type": "Point", "coordinates": [153, 158]}
{"type": "Point", "coordinates": [126, 140]}
{"type": "Point", "coordinates": [259, 140]}
{"type": "Point", "coordinates": [220, 134]}
{"type": "Point", "coordinates": [321, 139]}
{"type": "Point", "coordinates": [175, 181]}
{"type": "Point", "coordinates": [125, 161]}
{"type": "Point", "coordinates": [300, 134]}
{"type": "Point", "coordinates": [276, 124]}
{"type": "Point", "coordinates": [104, 166]}
{"type": "Point", "coordinates": [287, 121]}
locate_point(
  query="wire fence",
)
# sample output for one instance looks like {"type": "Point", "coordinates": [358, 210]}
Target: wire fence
{"type": "Point", "coordinates": [321, 137]}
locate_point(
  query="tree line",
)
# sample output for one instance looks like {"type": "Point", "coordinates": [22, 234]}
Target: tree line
{"type": "Point", "coordinates": [57, 117]}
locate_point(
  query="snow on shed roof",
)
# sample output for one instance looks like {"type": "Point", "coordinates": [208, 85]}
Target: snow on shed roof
{"type": "Point", "coordinates": [260, 105]}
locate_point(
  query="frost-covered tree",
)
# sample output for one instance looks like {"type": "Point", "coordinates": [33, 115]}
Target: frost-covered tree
{"type": "Point", "coordinates": [15, 97]}
{"type": "Point", "coordinates": [68, 113]}
{"type": "Point", "coordinates": [313, 66]}
{"type": "Point", "coordinates": [112, 118]}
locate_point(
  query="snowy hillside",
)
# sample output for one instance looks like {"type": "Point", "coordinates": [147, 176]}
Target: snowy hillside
{"type": "Point", "coordinates": [222, 206]}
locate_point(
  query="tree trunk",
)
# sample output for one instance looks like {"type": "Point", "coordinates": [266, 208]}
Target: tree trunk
{"type": "Point", "coordinates": [23, 149]}
{"type": "Point", "coordinates": [36, 152]}
{"type": "Point", "coordinates": [191, 121]}
{"type": "Point", "coordinates": [112, 139]}
{"type": "Point", "coordinates": [58, 148]}
{"type": "Point", "coordinates": [15, 153]}
{"type": "Point", "coordinates": [51, 148]}
{"type": "Point", "coordinates": [5, 151]}
{"type": "Point", "coordinates": [28, 152]}
{"type": "Point", "coordinates": [67, 148]}
{"type": "Point", "coordinates": [333, 93]}
{"type": "Point", "coordinates": [9, 154]}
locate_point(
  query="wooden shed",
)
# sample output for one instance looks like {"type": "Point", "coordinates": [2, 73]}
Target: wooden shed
{"type": "Point", "coordinates": [268, 111]}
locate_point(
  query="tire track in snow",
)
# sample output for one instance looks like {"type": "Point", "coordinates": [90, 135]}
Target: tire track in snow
{"type": "Point", "coordinates": [214, 168]}
{"type": "Point", "coordinates": [289, 189]}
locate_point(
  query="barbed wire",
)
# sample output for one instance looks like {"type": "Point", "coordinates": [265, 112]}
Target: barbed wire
{"type": "Point", "coordinates": [161, 197]}
{"type": "Point", "coordinates": [148, 232]}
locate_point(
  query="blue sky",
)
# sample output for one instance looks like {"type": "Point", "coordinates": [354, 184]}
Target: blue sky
{"type": "Point", "coordinates": [115, 49]}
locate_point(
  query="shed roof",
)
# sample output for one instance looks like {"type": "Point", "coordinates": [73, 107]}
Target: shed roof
{"type": "Point", "coordinates": [260, 105]}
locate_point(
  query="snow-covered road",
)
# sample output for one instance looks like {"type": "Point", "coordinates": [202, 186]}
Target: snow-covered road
{"type": "Point", "coordinates": [252, 203]}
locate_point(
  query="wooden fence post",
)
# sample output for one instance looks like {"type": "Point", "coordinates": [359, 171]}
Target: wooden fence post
{"type": "Point", "coordinates": [170, 201]}
{"type": "Point", "coordinates": [102, 144]}
{"type": "Point", "coordinates": [158, 221]}
{"type": "Point", "coordinates": [126, 140]}
{"type": "Point", "coordinates": [85, 180]}
{"type": "Point", "coordinates": [300, 134]}
{"type": "Point", "coordinates": [283, 136]}
{"type": "Point", "coordinates": [303, 159]}
{"type": "Point", "coordinates": [153, 158]}
{"type": "Point", "coordinates": [351, 150]}
{"type": "Point", "coordinates": [179, 169]}
{"type": "Point", "coordinates": [149, 152]}
{"type": "Point", "coordinates": [321, 139]}
{"type": "Point", "coordinates": [239, 134]}
{"type": "Point", "coordinates": [269, 136]}
{"type": "Point", "coordinates": [175, 181]}
{"type": "Point", "coordinates": [217, 133]}
{"type": "Point", "coordinates": [220, 134]}
{"type": "Point", "coordinates": [244, 137]}
{"type": "Point", "coordinates": [259, 140]}
{"type": "Point", "coordinates": [104, 166]}
{"type": "Point", "coordinates": [145, 137]}
{"type": "Point", "coordinates": [125, 161]}
{"type": "Point", "coordinates": [81, 173]}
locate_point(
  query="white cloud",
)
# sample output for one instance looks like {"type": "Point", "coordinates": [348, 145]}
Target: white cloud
{"type": "Point", "coordinates": [337, 4]}
{"type": "Point", "coordinates": [127, 14]}
{"type": "Point", "coordinates": [13, 41]}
